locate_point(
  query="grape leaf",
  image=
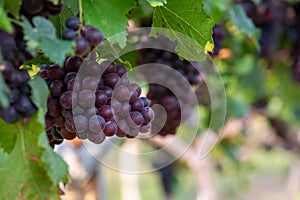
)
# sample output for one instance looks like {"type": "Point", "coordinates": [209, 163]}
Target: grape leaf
{"type": "Point", "coordinates": [56, 167]}
{"type": "Point", "coordinates": [4, 21]}
{"type": "Point", "coordinates": [238, 16]}
{"type": "Point", "coordinates": [30, 177]}
{"type": "Point", "coordinates": [109, 17]}
{"type": "Point", "coordinates": [155, 3]}
{"type": "Point", "coordinates": [43, 37]}
{"type": "Point", "coordinates": [188, 24]}
{"type": "Point", "coordinates": [73, 5]}
{"type": "Point", "coordinates": [3, 157]}
{"type": "Point", "coordinates": [13, 7]}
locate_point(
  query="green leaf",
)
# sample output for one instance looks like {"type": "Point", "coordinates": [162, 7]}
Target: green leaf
{"type": "Point", "coordinates": [155, 3]}
{"type": "Point", "coordinates": [43, 37]}
{"type": "Point", "coordinates": [109, 17]}
{"type": "Point", "coordinates": [32, 170]}
{"type": "Point", "coordinates": [4, 21]}
{"type": "Point", "coordinates": [3, 157]}
{"type": "Point", "coordinates": [13, 7]}
{"type": "Point", "coordinates": [4, 90]}
{"type": "Point", "coordinates": [54, 1]}
{"type": "Point", "coordinates": [188, 24]}
{"type": "Point", "coordinates": [23, 175]}
{"type": "Point", "coordinates": [73, 5]}
{"type": "Point", "coordinates": [238, 16]}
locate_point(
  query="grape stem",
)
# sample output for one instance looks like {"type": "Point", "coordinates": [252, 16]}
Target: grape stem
{"type": "Point", "coordinates": [80, 10]}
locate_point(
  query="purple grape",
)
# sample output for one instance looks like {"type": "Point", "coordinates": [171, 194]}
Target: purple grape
{"type": "Point", "coordinates": [68, 99]}
{"type": "Point", "coordinates": [81, 123]}
{"type": "Point", "coordinates": [96, 124]}
{"type": "Point", "coordinates": [106, 112]}
{"type": "Point", "coordinates": [86, 98]}
{"type": "Point", "coordinates": [111, 128]}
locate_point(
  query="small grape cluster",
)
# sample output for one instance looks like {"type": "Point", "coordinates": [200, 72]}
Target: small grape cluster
{"type": "Point", "coordinates": [45, 8]}
{"type": "Point", "coordinates": [82, 104]}
{"type": "Point", "coordinates": [277, 20]}
{"type": "Point", "coordinates": [84, 36]}
{"type": "Point", "coordinates": [174, 105]}
{"type": "Point", "coordinates": [16, 79]}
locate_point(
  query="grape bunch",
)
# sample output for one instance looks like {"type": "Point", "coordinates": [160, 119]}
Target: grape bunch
{"type": "Point", "coordinates": [16, 79]}
{"type": "Point", "coordinates": [277, 20]}
{"type": "Point", "coordinates": [84, 36]}
{"type": "Point", "coordinates": [45, 8]}
{"type": "Point", "coordinates": [175, 96]}
{"type": "Point", "coordinates": [97, 102]}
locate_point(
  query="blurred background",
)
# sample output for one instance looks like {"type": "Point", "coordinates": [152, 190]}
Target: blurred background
{"type": "Point", "coordinates": [257, 52]}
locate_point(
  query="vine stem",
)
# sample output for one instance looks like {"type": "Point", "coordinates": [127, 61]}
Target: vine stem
{"type": "Point", "coordinates": [80, 10]}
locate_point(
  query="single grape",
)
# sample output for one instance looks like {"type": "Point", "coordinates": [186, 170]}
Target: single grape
{"type": "Point", "coordinates": [148, 115]}
{"type": "Point", "coordinates": [82, 46]}
{"type": "Point", "coordinates": [106, 112]}
{"type": "Point", "coordinates": [101, 98]}
{"type": "Point", "coordinates": [108, 67]}
{"type": "Point", "coordinates": [96, 124]}
{"type": "Point", "coordinates": [67, 135]}
{"type": "Point", "coordinates": [146, 101]}
{"type": "Point", "coordinates": [69, 34]}
{"type": "Point", "coordinates": [55, 73]}
{"type": "Point", "coordinates": [121, 70]}
{"type": "Point", "coordinates": [122, 93]}
{"type": "Point", "coordinates": [10, 115]}
{"type": "Point", "coordinates": [57, 88]}
{"type": "Point", "coordinates": [135, 119]}
{"type": "Point", "coordinates": [111, 79]}
{"type": "Point", "coordinates": [86, 98]}
{"type": "Point", "coordinates": [81, 123]}
{"type": "Point", "coordinates": [138, 105]}
{"type": "Point", "coordinates": [23, 104]}
{"type": "Point", "coordinates": [89, 83]}
{"type": "Point", "coordinates": [93, 35]}
{"type": "Point", "coordinates": [73, 23]}
{"type": "Point", "coordinates": [111, 128]}
{"type": "Point", "coordinates": [69, 76]}
{"type": "Point", "coordinates": [72, 64]}
{"type": "Point", "coordinates": [135, 87]}
{"type": "Point", "coordinates": [68, 99]}
{"type": "Point", "coordinates": [92, 68]}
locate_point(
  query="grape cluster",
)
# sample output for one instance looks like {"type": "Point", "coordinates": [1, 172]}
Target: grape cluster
{"type": "Point", "coordinates": [277, 20]}
{"type": "Point", "coordinates": [180, 98]}
{"type": "Point", "coordinates": [97, 102]}
{"type": "Point", "coordinates": [84, 36]}
{"type": "Point", "coordinates": [45, 8]}
{"type": "Point", "coordinates": [16, 79]}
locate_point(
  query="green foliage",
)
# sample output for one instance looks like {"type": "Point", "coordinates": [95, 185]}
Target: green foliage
{"type": "Point", "coordinates": [109, 17]}
{"type": "Point", "coordinates": [4, 21]}
{"type": "Point", "coordinates": [73, 5]}
{"type": "Point", "coordinates": [32, 169]}
{"type": "Point", "coordinates": [185, 19]}
{"type": "Point", "coordinates": [155, 3]}
{"type": "Point", "coordinates": [13, 7]}
{"type": "Point", "coordinates": [43, 37]}
{"type": "Point", "coordinates": [239, 17]}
